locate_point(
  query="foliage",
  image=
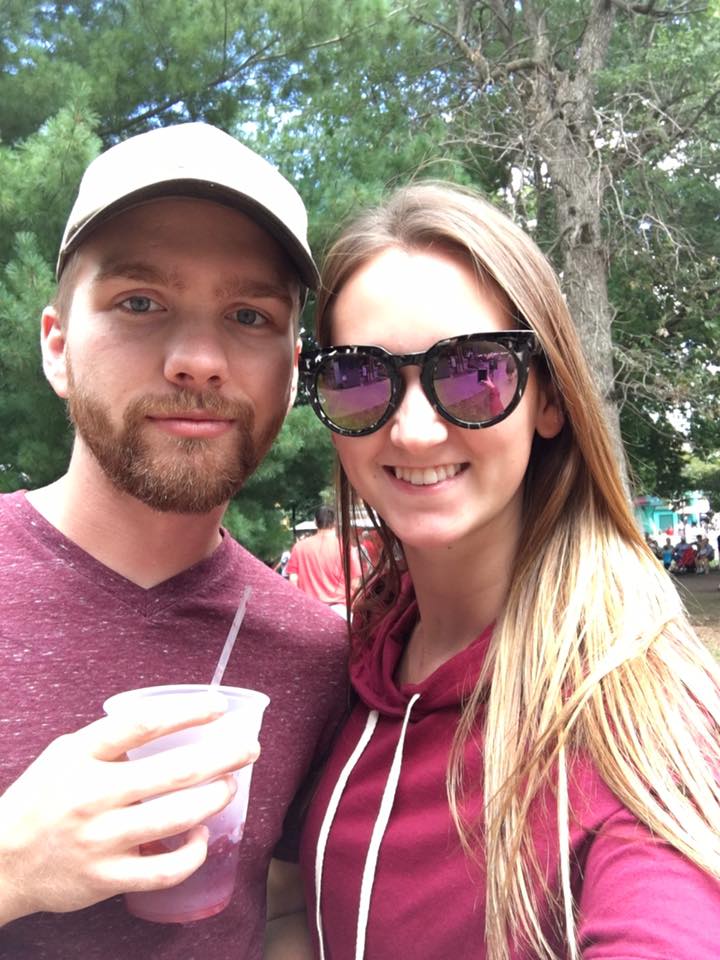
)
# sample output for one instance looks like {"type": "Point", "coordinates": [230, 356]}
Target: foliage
{"type": "Point", "coordinates": [37, 181]}
{"type": "Point", "coordinates": [704, 475]}
{"type": "Point", "coordinates": [288, 486]}
{"type": "Point", "coordinates": [35, 437]}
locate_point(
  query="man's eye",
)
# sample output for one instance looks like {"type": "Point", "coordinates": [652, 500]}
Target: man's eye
{"type": "Point", "coordinates": [249, 317]}
{"type": "Point", "coordinates": [139, 304]}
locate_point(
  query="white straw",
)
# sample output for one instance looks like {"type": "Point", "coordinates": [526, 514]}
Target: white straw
{"type": "Point", "coordinates": [231, 638]}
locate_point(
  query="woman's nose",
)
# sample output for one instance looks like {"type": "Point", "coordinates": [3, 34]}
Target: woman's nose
{"type": "Point", "coordinates": [416, 425]}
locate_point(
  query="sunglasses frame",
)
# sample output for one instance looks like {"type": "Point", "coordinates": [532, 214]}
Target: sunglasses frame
{"type": "Point", "coordinates": [522, 344]}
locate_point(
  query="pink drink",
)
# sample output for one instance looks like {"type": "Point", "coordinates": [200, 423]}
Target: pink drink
{"type": "Point", "coordinates": [205, 893]}
{"type": "Point", "coordinates": [210, 888]}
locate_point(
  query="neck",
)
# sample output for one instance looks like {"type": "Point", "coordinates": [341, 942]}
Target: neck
{"type": "Point", "coordinates": [141, 544]}
{"type": "Point", "coordinates": [457, 597]}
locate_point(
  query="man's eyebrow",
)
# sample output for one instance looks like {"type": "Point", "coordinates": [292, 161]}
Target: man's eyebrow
{"type": "Point", "coordinates": [256, 289]}
{"type": "Point", "coordinates": [136, 270]}
{"type": "Point", "coordinates": [236, 287]}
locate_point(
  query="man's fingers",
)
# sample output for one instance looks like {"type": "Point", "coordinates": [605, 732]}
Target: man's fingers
{"type": "Point", "coordinates": [181, 767]}
{"type": "Point", "coordinates": [158, 871]}
{"type": "Point", "coordinates": [161, 817]}
{"type": "Point", "coordinates": [112, 736]}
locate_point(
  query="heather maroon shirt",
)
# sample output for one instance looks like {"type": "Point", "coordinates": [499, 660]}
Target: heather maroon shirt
{"type": "Point", "coordinates": [73, 632]}
{"type": "Point", "coordinates": [637, 899]}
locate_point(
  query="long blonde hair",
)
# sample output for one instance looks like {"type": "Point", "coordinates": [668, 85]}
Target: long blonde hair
{"type": "Point", "coordinates": [592, 655]}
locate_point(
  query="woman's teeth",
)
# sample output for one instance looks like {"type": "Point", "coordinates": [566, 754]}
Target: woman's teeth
{"type": "Point", "coordinates": [427, 475]}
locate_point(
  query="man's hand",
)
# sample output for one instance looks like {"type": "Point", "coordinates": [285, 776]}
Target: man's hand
{"type": "Point", "coordinates": [72, 824]}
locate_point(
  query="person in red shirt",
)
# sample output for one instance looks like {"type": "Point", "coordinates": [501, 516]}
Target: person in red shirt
{"type": "Point", "coordinates": [316, 566]}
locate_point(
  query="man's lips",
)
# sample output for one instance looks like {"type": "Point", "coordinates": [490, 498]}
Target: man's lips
{"type": "Point", "coordinates": [193, 423]}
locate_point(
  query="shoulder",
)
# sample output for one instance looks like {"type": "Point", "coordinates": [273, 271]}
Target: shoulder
{"type": "Point", "coordinates": [669, 907]}
{"type": "Point", "coordinates": [284, 609]}
{"type": "Point", "coordinates": [13, 504]}
{"type": "Point", "coordinates": [302, 546]}
{"type": "Point", "coordinates": [22, 530]}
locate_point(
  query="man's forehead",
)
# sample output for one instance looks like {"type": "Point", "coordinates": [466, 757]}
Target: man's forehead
{"type": "Point", "coordinates": [147, 230]}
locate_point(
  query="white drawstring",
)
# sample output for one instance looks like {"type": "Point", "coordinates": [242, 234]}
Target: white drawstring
{"type": "Point", "coordinates": [381, 822]}
{"type": "Point", "coordinates": [563, 817]}
{"type": "Point", "coordinates": [330, 816]}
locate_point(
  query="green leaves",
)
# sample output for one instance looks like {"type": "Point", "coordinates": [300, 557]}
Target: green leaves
{"type": "Point", "coordinates": [289, 485]}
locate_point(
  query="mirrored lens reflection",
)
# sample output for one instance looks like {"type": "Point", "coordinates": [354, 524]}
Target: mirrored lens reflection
{"type": "Point", "coordinates": [476, 380]}
{"type": "Point", "coordinates": [354, 390]}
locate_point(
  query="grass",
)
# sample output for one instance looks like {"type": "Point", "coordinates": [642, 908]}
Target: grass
{"type": "Point", "coordinates": [702, 599]}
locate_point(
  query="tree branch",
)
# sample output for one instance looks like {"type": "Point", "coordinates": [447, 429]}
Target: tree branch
{"type": "Point", "coordinates": [496, 71]}
{"type": "Point", "coordinates": [648, 9]}
{"type": "Point", "coordinates": [473, 54]}
{"type": "Point", "coordinates": [634, 151]}
{"type": "Point", "coordinates": [497, 8]}
{"type": "Point", "coordinates": [594, 46]}
{"type": "Point", "coordinates": [225, 76]}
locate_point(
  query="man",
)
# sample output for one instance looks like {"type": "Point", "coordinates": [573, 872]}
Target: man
{"type": "Point", "coordinates": [315, 564]}
{"type": "Point", "coordinates": [174, 340]}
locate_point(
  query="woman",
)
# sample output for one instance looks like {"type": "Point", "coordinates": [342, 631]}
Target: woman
{"type": "Point", "coordinates": [530, 769]}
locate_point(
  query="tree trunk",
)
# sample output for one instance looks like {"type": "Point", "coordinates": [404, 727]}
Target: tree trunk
{"type": "Point", "coordinates": [560, 106]}
{"type": "Point", "coordinates": [584, 267]}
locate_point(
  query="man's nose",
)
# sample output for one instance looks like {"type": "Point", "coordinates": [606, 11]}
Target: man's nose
{"type": "Point", "coordinates": [416, 425]}
{"type": "Point", "coordinates": [196, 357]}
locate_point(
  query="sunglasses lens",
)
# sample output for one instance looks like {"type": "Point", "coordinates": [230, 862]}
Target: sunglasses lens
{"type": "Point", "coordinates": [476, 380]}
{"type": "Point", "coordinates": [354, 390]}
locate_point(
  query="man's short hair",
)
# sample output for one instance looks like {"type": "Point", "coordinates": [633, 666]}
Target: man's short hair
{"type": "Point", "coordinates": [324, 518]}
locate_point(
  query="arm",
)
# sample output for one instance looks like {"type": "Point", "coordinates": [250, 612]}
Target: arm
{"type": "Point", "coordinates": [286, 934]}
{"type": "Point", "coordinates": [71, 825]}
{"type": "Point", "coordinates": [292, 569]}
{"type": "Point", "coordinates": [642, 898]}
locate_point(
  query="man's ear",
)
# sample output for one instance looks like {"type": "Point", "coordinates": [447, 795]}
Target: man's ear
{"type": "Point", "coordinates": [53, 343]}
{"type": "Point", "coordinates": [550, 416]}
{"type": "Point", "coordinates": [294, 385]}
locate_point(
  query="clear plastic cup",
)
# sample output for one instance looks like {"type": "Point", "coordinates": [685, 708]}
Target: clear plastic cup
{"type": "Point", "coordinates": [208, 890]}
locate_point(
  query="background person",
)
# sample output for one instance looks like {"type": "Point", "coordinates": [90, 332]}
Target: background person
{"type": "Point", "coordinates": [535, 740]}
{"type": "Point", "coordinates": [704, 555]}
{"type": "Point", "coordinates": [281, 566]}
{"type": "Point", "coordinates": [667, 553]}
{"type": "Point", "coordinates": [174, 340]}
{"type": "Point", "coordinates": [315, 564]}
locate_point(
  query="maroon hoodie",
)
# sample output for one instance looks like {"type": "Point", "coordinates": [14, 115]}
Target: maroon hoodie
{"type": "Point", "coordinates": [380, 844]}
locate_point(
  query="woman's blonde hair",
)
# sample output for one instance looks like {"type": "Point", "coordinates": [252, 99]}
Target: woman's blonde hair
{"type": "Point", "coordinates": [592, 656]}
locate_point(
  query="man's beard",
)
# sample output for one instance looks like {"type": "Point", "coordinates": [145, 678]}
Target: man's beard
{"type": "Point", "coordinates": [171, 474]}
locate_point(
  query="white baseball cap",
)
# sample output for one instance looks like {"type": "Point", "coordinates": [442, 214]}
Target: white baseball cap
{"type": "Point", "coordinates": [190, 160]}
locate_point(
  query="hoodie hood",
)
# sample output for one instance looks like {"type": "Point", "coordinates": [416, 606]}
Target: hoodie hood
{"type": "Point", "coordinates": [373, 673]}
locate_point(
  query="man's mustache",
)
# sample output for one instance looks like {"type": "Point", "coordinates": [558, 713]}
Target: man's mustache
{"type": "Point", "coordinates": [187, 401]}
